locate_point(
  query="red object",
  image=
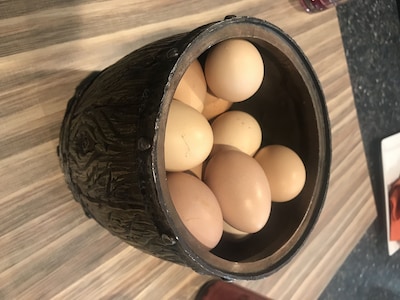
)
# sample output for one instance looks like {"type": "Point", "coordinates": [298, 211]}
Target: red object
{"type": "Point", "coordinates": [394, 204]}
{"type": "Point", "coordinates": [222, 290]}
{"type": "Point", "coordinates": [319, 5]}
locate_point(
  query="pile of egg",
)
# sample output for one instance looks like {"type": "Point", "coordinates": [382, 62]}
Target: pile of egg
{"type": "Point", "coordinates": [218, 177]}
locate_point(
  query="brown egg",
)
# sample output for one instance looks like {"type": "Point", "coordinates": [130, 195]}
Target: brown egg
{"type": "Point", "coordinates": [192, 87]}
{"type": "Point", "coordinates": [220, 147]}
{"type": "Point", "coordinates": [234, 70]}
{"type": "Point", "coordinates": [285, 171]}
{"type": "Point", "coordinates": [241, 188]}
{"type": "Point", "coordinates": [214, 106]}
{"type": "Point", "coordinates": [232, 233]}
{"type": "Point", "coordinates": [196, 171]}
{"type": "Point", "coordinates": [197, 207]}
{"type": "Point", "coordinates": [188, 138]}
{"type": "Point", "coordinates": [237, 129]}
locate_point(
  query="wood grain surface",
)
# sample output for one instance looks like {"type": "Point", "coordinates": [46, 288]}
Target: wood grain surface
{"type": "Point", "coordinates": [49, 249]}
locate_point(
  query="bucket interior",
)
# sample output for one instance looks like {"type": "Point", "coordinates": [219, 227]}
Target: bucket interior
{"type": "Point", "coordinates": [290, 108]}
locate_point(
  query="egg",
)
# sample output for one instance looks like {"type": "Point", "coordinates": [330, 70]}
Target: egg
{"type": "Point", "coordinates": [192, 88]}
{"type": "Point", "coordinates": [214, 106]}
{"type": "Point", "coordinates": [197, 171]}
{"type": "Point", "coordinates": [234, 70]}
{"type": "Point", "coordinates": [237, 129]}
{"type": "Point", "coordinates": [285, 171]}
{"type": "Point", "coordinates": [188, 138]}
{"type": "Point", "coordinates": [241, 188]}
{"type": "Point", "coordinates": [233, 233]}
{"type": "Point", "coordinates": [197, 207]}
{"type": "Point", "coordinates": [220, 147]}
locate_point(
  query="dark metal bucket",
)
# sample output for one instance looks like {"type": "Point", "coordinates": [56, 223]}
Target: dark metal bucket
{"type": "Point", "coordinates": [112, 148]}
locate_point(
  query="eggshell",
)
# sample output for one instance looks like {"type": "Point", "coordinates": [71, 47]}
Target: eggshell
{"type": "Point", "coordinates": [220, 147]}
{"type": "Point", "coordinates": [241, 188]}
{"type": "Point", "coordinates": [196, 171]}
{"type": "Point", "coordinates": [234, 70]}
{"type": "Point", "coordinates": [233, 233]}
{"type": "Point", "coordinates": [214, 106]}
{"type": "Point", "coordinates": [197, 207]}
{"type": "Point", "coordinates": [192, 87]}
{"type": "Point", "coordinates": [285, 171]}
{"type": "Point", "coordinates": [188, 138]}
{"type": "Point", "coordinates": [237, 129]}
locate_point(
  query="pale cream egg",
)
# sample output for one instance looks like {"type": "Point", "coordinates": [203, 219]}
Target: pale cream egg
{"type": "Point", "coordinates": [234, 70]}
{"type": "Point", "coordinates": [237, 129]}
{"type": "Point", "coordinates": [192, 87]}
{"type": "Point", "coordinates": [214, 106]}
{"type": "Point", "coordinates": [188, 138]}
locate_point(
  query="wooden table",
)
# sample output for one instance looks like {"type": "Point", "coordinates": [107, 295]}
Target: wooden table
{"type": "Point", "coordinates": [49, 249]}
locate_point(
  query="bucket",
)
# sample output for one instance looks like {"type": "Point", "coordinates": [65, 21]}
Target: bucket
{"type": "Point", "coordinates": [111, 148]}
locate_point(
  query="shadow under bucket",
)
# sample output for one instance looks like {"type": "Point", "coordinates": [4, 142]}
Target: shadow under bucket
{"type": "Point", "coordinates": [112, 148]}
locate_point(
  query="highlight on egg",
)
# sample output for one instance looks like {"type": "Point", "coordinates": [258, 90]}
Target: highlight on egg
{"type": "Point", "coordinates": [285, 171]}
